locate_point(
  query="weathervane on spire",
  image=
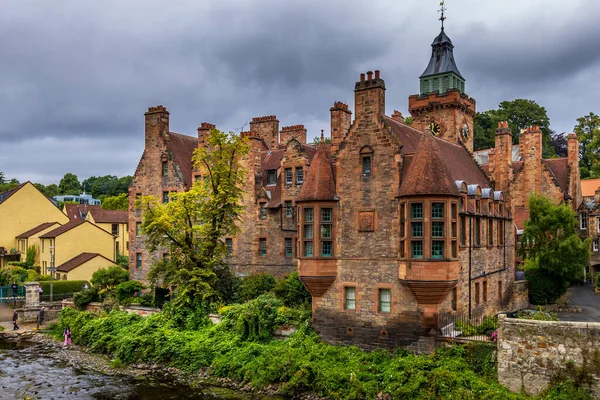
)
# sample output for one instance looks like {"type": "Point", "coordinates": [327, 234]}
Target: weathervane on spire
{"type": "Point", "coordinates": [441, 10]}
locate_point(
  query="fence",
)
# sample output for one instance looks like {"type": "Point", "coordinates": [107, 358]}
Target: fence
{"type": "Point", "coordinates": [7, 293]}
{"type": "Point", "coordinates": [458, 326]}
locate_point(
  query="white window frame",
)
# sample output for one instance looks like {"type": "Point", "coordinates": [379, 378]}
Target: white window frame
{"type": "Point", "coordinates": [595, 244]}
{"type": "Point", "coordinates": [583, 221]}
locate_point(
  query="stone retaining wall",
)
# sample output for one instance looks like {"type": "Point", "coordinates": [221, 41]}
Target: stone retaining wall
{"type": "Point", "coordinates": [520, 296]}
{"type": "Point", "coordinates": [529, 352]}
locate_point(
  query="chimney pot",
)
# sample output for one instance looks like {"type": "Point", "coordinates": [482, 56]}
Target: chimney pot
{"type": "Point", "coordinates": [362, 77]}
{"type": "Point", "coordinates": [369, 75]}
{"type": "Point", "coordinates": [376, 74]}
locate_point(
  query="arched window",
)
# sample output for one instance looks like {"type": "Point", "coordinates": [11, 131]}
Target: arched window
{"type": "Point", "coordinates": [366, 159]}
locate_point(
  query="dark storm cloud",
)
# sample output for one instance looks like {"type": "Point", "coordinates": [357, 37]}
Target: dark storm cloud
{"type": "Point", "coordinates": [76, 76]}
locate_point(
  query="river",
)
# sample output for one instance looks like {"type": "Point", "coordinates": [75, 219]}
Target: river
{"type": "Point", "coordinates": [31, 370]}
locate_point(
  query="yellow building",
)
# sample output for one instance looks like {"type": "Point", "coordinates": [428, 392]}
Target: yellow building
{"type": "Point", "coordinates": [32, 238]}
{"type": "Point", "coordinates": [22, 209]}
{"type": "Point", "coordinates": [68, 241]}
{"type": "Point", "coordinates": [113, 221]}
{"type": "Point", "coordinates": [82, 267]}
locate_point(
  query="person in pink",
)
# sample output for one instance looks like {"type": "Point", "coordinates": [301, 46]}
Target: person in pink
{"type": "Point", "coordinates": [67, 335]}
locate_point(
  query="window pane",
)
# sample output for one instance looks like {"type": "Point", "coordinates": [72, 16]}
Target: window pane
{"type": "Point", "coordinates": [272, 177]}
{"type": "Point", "coordinates": [366, 165]}
{"type": "Point", "coordinates": [326, 231]}
{"type": "Point", "coordinates": [437, 249]}
{"type": "Point", "coordinates": [385, 300]}
{"type": "Point", "coordinates": [165, 168]}
{"type": "Point", "coordinates": [417, 229]}
{"type": "Point", "coordinates": [437, 210]}
{"type": "Point", "coordinates": [288, 176]}
{"type": "Point", "coordinates": [299, 175]}
{"type": "Point", "coordinates": [308, 215]}
{"type": "Point", "coordinates": [308, 249]}
{"type": "Point", "coordinates": [263, 210]}
{"type": "Point", "coordinates": [326, 249]}
{"type": "Point", "coordinates": [417, 210]}
{"type": "Point", "coordinates": [138, 229]}
{"type": "Point", "coordinates": [454, 215]}
{"type": "Point", "coordinates": [165, 197]}
{"type": "Point", "coordinates": [308, 231]}
{"type": "Point", "coordinates": [454, 229]}
{"type": "Point", "coordinates": [437, 229]}
{"type": "Point", "coordinates": [350, 298]}
{"type": "Point", "coordinates": [288, 209]}
{"type": "Point", "coordinates": [262, 247]}
{"type": "Point", "coordinates": [454, 250]}
{"type": "Point", "coordinates": [288, 247]}
{"type": "Point", "coordinates": [326, 214]}
{"type": "Point", "coordinates": [229, 245]}
{"type": "Point", "coordinates": [417, 249]}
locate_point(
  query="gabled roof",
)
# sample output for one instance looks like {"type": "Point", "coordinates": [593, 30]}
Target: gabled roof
{"type": "Point", "coordinates": [79, 211]}
{"type": "Point", "coordinates": [182, 147]}
{"type": "Point", "coordinates": [319, 184]}
{"type": "Point", "coordinates": [62, 229]}
{"type": "Point", "coordinates": [589, 187]}
{"type": "Point", "coordinates": [428, 173]}
{"type": "Point", "coordinates": [35, 230]}
{"type": "Point", "coordinates": [5, 195]}
{"type": "Point", "coordinates": [101, 216]}
{"type": "Point", "coordinates": [560, 168]}
{"type": "Point", "coordinates": [79, 260]}
{"type": "Point", "coordinates": [457, 159]}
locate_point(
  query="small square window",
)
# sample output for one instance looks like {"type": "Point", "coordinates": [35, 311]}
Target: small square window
{"type": "Point", "coordinates": [437, 210]}
{"type": "Point", "coordinates": [299, 175]}
{"type": "Point", "coordinates": [350, 298]}
{"type": "Point", "coordinates": [271, 177]}
{"type": "Point", "coordinates": [326, 214]}
{"type": "Point", "coordinates": [229, 246]}
{"type": "Point", "coordinates": [308, 249]}
{"type": "Point", "coordinates": [437, 249]}
{"type": "Point", "coordinates": [416, 210]}
{"type": "Point", "coordinates": [385, 300]}
{"type": "Point", "coordinates": [417, 229]}
{"type": "Point", "coordinates": [262, 247]}
{"type": "Point", "coordinates": [326, 231]}
{"type": "Point", "coordinates": [366, 164]}
{"type": "Point", "coordinates": [308, 215]}
{"type": "Point", "coordinates": [417, 249]}
{"type": "Point", "coordinates": [288, 209]}
{"type": "Point", "coordinates": [263, 210]}
{"type": "Point", "coordinates": [326, 249]}
{"type": "Point", "coordinates": [437, 229]}
{"type": "Point", "coordinates": [288, 247]}
{"type": "Point", "coordinates": [288, 176]}
{"type": "Point", "coordinates": [308, 231]}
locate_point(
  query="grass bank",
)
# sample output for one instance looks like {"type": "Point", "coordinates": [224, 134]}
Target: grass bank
{"type": "Point", "coordinates": [239, 348]}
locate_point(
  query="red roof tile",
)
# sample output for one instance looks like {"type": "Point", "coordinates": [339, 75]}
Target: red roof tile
{"type": "Point", "coordinates": [319, 184]}
{"type": "Point", "coordinates": [101, 215]}
{"type": "Point", "coordinates": [520, 215]}
{"type": "Point", "coordinates": [77, 261]}
{"type": "Point", "coordinates": [271, 159]}
{"type": "Point", "coordinates": [62, 229]}
{"type": "Point", "coordinates": [182, 147]}
{"type": "Point", "coordinates": [79, 211]}
{"type": "Point", "coordinates": [35, 230]}
{"type": "Point", "coordinates": [428, 172]}
{"type": "Point", "coordinates": [560, 168]}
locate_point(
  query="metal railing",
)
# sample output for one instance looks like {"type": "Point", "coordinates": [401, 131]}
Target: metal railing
{"type": "Point", "coordinates": [458, 326]}
{"type": "Point", "coordinates": [7, 293]}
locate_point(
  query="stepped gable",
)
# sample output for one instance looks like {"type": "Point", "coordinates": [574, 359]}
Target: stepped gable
{"type": "Point", "coordinates": [182, 147]}
{"type": "Point", "coordinates": [560, 169]}
{"type": "Point", "coordinates": [428, 173]}
{"type": "Point", "coordinates": [319, 184]}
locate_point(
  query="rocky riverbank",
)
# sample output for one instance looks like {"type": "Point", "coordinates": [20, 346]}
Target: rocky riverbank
{"type": "Point", "coordinates": [82, 358]}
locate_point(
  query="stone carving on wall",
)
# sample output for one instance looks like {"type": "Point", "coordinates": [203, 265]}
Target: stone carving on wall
{"type": "Point", "coordinates": [366, 221]}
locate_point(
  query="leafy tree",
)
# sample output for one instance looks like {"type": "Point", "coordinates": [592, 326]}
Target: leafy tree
{"type": "Point", "coordinates": [31, 256]}
{"type": "Point", "coordinates": [560, 144]}
{"type": "Point", "coordinates": [2, 178]}
{"type": "Point", "coordinates": [50, 190]}
{"type": "Point", "coordinates": [192, 224]}
{"type": "Point", "coordinates": [257, 284]}
{"type": "Point", "coordinates": [123, 260]}
{"type": "Point", "coordinates": [408, 120]}
{"type": "Point", "coordinates": [108, 185]}
{"type": "Point", "coordinates": [69, 184]}
{"type": "Point", "coordinates": [520, 114]}
{"type": "Point", "coordinates": [551, 242]}
{"type": "Point", "coordinates": [125, 290]}
{"type": "Point", "coordinates": [120, 202]}
{"type": "Point", "coordinates": [588, 134]}
{"type": "Point", "coordinates": [106, 279]}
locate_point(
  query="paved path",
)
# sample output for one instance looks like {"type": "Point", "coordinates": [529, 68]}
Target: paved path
{"type": "Point", "coordinates": [584, 297]}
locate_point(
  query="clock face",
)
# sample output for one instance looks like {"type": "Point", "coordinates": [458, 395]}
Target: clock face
{"type": "Point", "coordinates": [464, 131]}
{"type": "Point", "coordinates": [434, 127]}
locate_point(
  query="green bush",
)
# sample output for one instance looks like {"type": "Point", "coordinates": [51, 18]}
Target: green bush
{"type": "Point", "coordinates": [544, 288]}
{"type": "Point", "coordinates": [109, 278]}
{"type": "Point", "coordinates": [127, 289]}
{"type": "Point", "coordinates": [256, 319]}
{"type": "Point", "coordinates": [43, 278]}
{"type": "Point", "coordinates": [63, 287]}
{"type": "Point", "coordinates": [598, 281]}
{"type": "Point", "coordinates": [256, 285]}
{"type": "Point", "coordinates": [292, 291]}
{"type": "Point", "coordinates": [85, 297]}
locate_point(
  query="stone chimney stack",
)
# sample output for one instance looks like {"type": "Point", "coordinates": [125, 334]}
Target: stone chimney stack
{"type": "Point", "coordinates": [341, 119]}
{"type": "Point", "coordinates": [203, 132]}
{"type": "Point", "coordinates": [369, 97]}
{"type": "Point", "coordinates": [297, 132]}
{"type": "Point", "coordinates": [157, 126]}
{"type": "Point", "coordinates": [266, 128]}
{"type": "Point", "coordinates": [492, 161]}
{"type": "Point", "coordinates": [502, 172]}
{"type": "Point", "coordinates": [397, 116]}
{"type": "Point", "coordinates": [530, 147]}
{"type": "Point", "coordinates": [573, 160]}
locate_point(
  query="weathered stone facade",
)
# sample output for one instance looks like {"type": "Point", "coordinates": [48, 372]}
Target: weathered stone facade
{"type": "Point", "coordinates": [530, 353]}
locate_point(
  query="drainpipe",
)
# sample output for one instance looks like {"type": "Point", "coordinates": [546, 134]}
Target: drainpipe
{"type": "Point", "coordinates": [470, 259]}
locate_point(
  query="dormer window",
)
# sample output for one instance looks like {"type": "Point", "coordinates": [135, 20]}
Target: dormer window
{"type": "Point", "coordinates": [272, 177]}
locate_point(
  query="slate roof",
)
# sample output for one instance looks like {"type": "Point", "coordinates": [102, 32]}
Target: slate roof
{"type": "Point", "coordinates": [428, 172]}
{"type": "Point", "coordinates": [457, 159]}
{"type": "Point", "coordinates": [442, 57]}
{"type": "Point", "coordinates": [109, 216]}
{"type": "Point", "coordinates": [77, 261]}
{"type": "Point", "coordinates": [182, 147]}
{"type": "Point", "coordinates": [62, 229]}
{"type": "Point", "coordinates": [35, 230]}
{"type": "Point", "coordinates": [319, 184]}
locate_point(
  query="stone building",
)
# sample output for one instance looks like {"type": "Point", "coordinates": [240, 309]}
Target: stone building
{"type": "Point", "coordinates": [389, 225]}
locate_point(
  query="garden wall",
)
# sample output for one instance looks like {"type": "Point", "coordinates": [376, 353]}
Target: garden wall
{"type": "Point", "coordinates": [530, 352]}
{"type": "Point", "coordinates": [97, 307]}
{"type": "Point", "coordinates": [520, 296]}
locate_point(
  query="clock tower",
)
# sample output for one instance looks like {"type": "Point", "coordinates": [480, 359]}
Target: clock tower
{"type": "Point", "coordinates": [442, 104]}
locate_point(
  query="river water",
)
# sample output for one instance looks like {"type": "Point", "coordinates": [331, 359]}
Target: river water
{"type": "Point", "coordinates": [31, 371]}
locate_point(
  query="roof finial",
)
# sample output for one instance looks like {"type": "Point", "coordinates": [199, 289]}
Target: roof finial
{"type": "Point", "coordinates": [441, 10]}
{"type": "Point", "coordinates": [322, 136]}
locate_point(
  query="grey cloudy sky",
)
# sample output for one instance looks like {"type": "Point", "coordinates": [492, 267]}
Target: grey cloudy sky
{"type": "Point", "coordinates": [76, 76]}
